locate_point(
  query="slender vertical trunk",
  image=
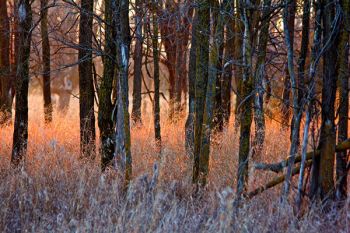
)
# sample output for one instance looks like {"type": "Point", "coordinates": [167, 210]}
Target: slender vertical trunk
{"type": "Point", "coordinates": [238, 70]}
{"type": "Point", "coordinates": [137, 81]}
{"type": "Point", "coordinates": [289, 25]}
{"type": "Point", "coordinates": [123, 141]}
{"type": "Point", "coordinates": [46, 62]}
{"type": "Point", "coordinates": [218, 121]}
{"type": "Point", "coordinates": [20, 134]}
{"type": "Point", "coordinates": [297, 111]}
{"type": "Point", "coordinates": [156, 106]}
{"type": "Point", "coordinates": [245, 110]}
{"type": "Point", "coordinates": [5, 72]}
{"type": "Point", "coordinates": [316, 47]}
{"type": "Point", "coordinates": [202, 61]}
{"type": "Point", "coordinates": [86, 86]}
{"type": "Point", "coordinates": [189, 127]}
{"type": "Point", "coordinates": [259, 75]}
{"type": "Point", "coordinates": [105, 108]}
{"type": "Point", "coordinates": [343, 83]}
{"type": "Point", "coordinates": [228, 56]}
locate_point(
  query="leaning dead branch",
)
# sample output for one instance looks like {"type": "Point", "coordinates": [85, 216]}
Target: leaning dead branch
{"type": "Point", "coordinates": [278, 167]}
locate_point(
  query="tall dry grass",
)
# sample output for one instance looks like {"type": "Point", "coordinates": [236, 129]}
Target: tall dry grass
{"type": "Point", "coordinates": [54, 191]}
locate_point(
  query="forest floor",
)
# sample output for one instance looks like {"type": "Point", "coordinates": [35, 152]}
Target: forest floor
{"type": "Point", "coordinates": [56, 191]}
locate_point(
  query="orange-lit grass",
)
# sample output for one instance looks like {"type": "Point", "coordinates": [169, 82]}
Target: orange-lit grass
{"type": "Point", "coordinates": [55, 191]}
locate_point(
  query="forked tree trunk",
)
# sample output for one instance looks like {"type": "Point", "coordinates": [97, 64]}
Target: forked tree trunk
{"type": "Point", "coordinates": [297, 111]}
{"type": "Point", "coordinates": [86, 86]}
{"type": "Point", "coordinates": [20, 134]}
{"type": "Point", "coordinates": [46, 61]}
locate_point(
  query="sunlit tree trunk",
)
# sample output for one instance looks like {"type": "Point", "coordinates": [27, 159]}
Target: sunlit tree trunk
{"type": "Point", "coordinates": [137, 81]}
{"type": "Point", "coordinates": [5, 72]}
{"type": "Point", "coordinates": [343, 83]}
{"type": "Point", "coordinates": [46, 61]}
{"type": "Point", "coordinates": [20, 134]}
{"type": "Point", "coordinates": [86, 86]}
{"type": "Point", "coordinates": [105, 108]}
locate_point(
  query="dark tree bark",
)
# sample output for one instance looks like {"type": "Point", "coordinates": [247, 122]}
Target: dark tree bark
{"type": "Point", "coordinates": [5, 72]}
{"type": "Point", "coordinates": [259, 75]}
{"type": "Point", "coordinates": [287, 84]}
{"type": "Point", "coordinates": [86, 86]}
{"type": "Point", "coordinates": [105, 108]}
{"type": "Point", "coordinates": [189, 127]}
{"type": "Point", "coordinates": [343, 83]}
{"type": "Point", "coordinates": [156, 106]}
{"type": "Point", "coordinates": [137, 81]}
{"type": "Point", "coordinates": [20, 134]}
{"type": "Point", "coordinates": [202, 62]}
{"type": "Point", "coordinates": [218, 34]}
{"type": "Point", "coordinates": [328, 135]}
{"type": "Point", "coordinates": [297, 111]}
{"type": "Point", "coordinates": [228, 56]}
{"type": "Point", "coordinates": [46, 61]}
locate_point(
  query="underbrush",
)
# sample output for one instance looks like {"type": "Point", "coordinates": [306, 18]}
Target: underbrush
{"type": "Point", "coordinates": [56, 191]}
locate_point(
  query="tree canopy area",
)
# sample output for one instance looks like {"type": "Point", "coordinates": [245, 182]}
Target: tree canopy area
{"type": "Point", "coordinates": [174, 115]}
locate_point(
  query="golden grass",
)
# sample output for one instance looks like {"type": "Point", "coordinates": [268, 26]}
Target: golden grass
{"type": "Point", "coordinates": [55, 191]}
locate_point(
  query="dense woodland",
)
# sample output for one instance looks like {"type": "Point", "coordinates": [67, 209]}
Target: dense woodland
{"type": "Point", "coordinates": [206, 66]}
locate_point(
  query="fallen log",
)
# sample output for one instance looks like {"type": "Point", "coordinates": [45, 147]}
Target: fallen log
{"type": "Point", "coordinates": [275, 181]}
{"type": "Point", "coordinates": [278, 167]}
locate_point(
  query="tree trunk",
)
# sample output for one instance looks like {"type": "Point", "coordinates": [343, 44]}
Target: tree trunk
{"type": "Point", "coordinates": [228, 56]}
{"type": "Point", "coordinates": [156, 106]}
{"type": "Point", "coordinates": [246, 99]}
{"type": "Point", "coordinates": [46, 61]}
{"type": "Point", "coordinates": [123, 141]}
{"type": "Point", "coordinates": [189, 127]}
{"type": "Point", "coordinates": [105, 108]}
{"type": "Point", "coordinates": [218, 34]}
{"type": "Point", "coordinates": [290, 11]}
{"type": "Point", "coordinates": [288, 27]}
{"type": "Point", "coordinates": [202, 62]}
{"type": "Point", "coordinates": [343, 83]}
{"type": "Point", "coordinates": [259, 75]}
{"type": "Point", "coordinates": [137, 81]}
{"type": "Point", "coordinates": [5, 72]}
{"type": "Point", "coordinates": [20, 134]}
{"type": "Point", "coordinates": [327, 137]}
{"type": "Point", "coordinates": [86, 86]}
